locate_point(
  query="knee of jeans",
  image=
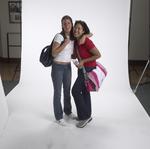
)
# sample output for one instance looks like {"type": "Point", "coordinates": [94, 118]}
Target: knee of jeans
{"type": "Point", "coordinates": [57, 94]}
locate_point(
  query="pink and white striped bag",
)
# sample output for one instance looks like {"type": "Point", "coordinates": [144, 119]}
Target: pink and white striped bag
{"type": "Point", "coordinates": [94, 79]}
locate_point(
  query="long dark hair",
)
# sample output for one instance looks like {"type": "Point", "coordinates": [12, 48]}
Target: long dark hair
{"type": "Point", "coordinates": [85, 29]}
{"type": "Point", "coordinates": [71, 32]}
{"type": "Point", "coordinates": [84, 25]}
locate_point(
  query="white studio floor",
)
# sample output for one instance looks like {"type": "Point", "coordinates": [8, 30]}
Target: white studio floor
{"type": "Point", "coordinates": [119, 120]}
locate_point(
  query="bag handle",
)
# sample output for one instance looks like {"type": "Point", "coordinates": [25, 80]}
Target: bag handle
{"type": "Point", "coordinates": [83, 68]}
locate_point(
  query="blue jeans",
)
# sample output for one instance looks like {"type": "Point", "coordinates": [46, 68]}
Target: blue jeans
{"type": "Point", "coordinates": [81, 96]}
{"type": "Point", "coordinates": [61, 75]}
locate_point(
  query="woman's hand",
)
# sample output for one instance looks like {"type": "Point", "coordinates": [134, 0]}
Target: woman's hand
{"type": "Point", "coordinates": [66, 41]}
{"type": "Point", "coordinates": [75, 61]}
{"type": "Point", "coordinates": [81, 63]}
{"type": "Point", "coordinates": [57, 48]}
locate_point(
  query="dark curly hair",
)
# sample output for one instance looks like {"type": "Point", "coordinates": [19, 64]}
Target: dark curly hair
{"type": "Point", "coordinates": [84, 25]}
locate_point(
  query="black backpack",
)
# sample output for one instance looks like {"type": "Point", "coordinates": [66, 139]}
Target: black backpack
{"type": "Point", "coordinates": [46, 57]}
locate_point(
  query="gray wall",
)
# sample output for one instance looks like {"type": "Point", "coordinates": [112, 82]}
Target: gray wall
{"type": "Point", "coordinates": [139, 31]}
{"type": "Point", "coordinates": [5, 27]}
{"type": "Point", "coordinates": [0, 42]}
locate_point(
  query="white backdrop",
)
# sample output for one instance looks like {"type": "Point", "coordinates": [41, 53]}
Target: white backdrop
{"type": "Point", "coordinates": [3, 108]}
{"type": "Point", "coordinates": [119, 120]}
{"type": "Point", "coordinates": [108, 21]}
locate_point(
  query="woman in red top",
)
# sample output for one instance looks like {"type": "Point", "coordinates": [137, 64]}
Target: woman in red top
{"type": "Point", "coordinates": [87, 54]}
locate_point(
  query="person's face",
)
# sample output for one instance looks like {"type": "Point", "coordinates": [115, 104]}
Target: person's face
{"type": "Point", "coordinates": [66, 25]}
{"type": "Point", "coordinates": [78, 30]}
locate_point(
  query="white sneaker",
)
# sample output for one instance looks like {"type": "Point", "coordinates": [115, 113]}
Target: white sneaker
{"type": "Point", "coordinates": [83, 123]}
{"type": "Point", "coordinates": [61, 122]}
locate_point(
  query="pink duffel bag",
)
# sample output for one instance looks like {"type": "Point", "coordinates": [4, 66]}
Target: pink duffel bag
{"type": "Point", "coordinates": [94, 78]}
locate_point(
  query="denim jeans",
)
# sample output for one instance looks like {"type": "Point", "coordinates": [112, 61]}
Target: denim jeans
{"type": "Point", "coordinates": [81, 96]}
{"type": "Point", "coordinates": [61, 75]}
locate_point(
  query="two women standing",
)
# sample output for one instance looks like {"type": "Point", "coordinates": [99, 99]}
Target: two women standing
{"type": "Point", "coordinates": [72, 41]}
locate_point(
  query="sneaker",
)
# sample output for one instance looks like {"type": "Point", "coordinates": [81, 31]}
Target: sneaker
{"type": "Point", "coordinates": [83, 123]}
{"type": "Point", "coordinates": [61, 122]}
{"type": "Point", "coordinates": [72, 116]}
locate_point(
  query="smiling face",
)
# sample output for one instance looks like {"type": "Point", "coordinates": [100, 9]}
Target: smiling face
{"type": "Point", "coordinates": [67, 25]}
{"type": "Point", "coordinates": [78, 31]}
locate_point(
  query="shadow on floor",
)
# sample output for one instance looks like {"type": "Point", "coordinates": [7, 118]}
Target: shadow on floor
{"type": "Point", "coordinates": [8, 86]}
{"type": "Point", "coordinates": [143, 94]}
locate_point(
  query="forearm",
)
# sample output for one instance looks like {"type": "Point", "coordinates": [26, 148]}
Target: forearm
{"type": "Point", "coordinates": [57, 50]}
{"type": "Point", "coordinates": [92, 58]}
{"type": "Point", "coordinates": [95, 55]}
